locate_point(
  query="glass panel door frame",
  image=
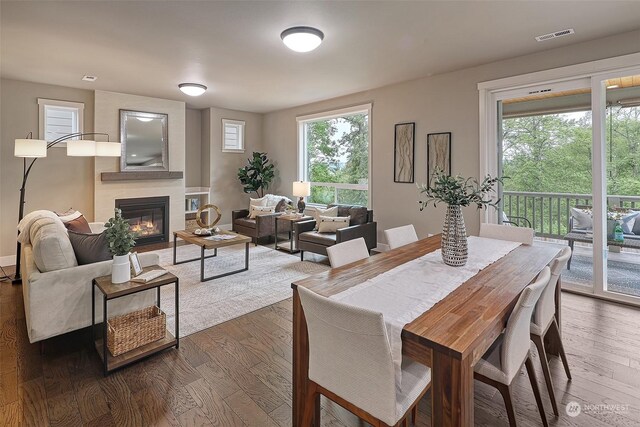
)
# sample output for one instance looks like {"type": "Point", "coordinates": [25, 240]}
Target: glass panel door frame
{"type": "Point", "coordinates": [600, 193]}
{"type": "Point", "coordinates": [593, 75]}
{"type": "Point", "coordinates": [496, 99]}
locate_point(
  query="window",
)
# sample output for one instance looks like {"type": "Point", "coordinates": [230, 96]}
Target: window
{"type": "Point", "coordinates": [232, 136]}
{"type": "Point", "coordinates": [334, 154]}
{"type": "Point", "coordinates": [58, 118]}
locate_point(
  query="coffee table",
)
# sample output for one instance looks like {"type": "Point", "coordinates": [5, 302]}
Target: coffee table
{"type": "Point", "coordinates": [206, 243]}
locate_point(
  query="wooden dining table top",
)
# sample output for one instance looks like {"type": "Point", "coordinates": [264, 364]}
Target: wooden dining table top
{"type": "Point", "coordinates": [465, 322]}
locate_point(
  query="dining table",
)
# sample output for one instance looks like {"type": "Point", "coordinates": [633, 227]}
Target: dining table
{"type": "Point", "coordinates": [449, 337]}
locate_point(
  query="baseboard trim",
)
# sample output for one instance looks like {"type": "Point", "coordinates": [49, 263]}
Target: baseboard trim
{"type": "Point", "coordinates": [6, 261]}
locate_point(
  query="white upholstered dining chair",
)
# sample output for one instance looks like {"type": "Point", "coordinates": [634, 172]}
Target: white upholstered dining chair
{"type": "Point", "coordinates": [350, 363]}
{"type": "Point", "coordinates": [503, 360]}
{"type": "Point", "coordinates": [400, 236]}
{"type": "Point", "coordinates": [347, 252]}
{"type": "Point", "coordinates": [544, 321]}
{"type": "Point", "coordinates": [523, 235]}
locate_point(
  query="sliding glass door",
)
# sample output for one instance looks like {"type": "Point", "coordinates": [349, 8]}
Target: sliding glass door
{"type": "Point", "coordinates": [621, 127]}
{"type": "Point", "coordinates": [571, 152]}
{"type": "Point", "coordinates": [545, 154]}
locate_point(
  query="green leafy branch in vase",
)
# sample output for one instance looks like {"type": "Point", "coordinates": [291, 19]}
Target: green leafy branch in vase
{"type": "Point", "coordinates": [459, 191]}
{"type": "Point", "coordinates": [119, 235]}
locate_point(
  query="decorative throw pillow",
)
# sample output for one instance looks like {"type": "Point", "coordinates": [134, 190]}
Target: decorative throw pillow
{"type": "Point", "coordinates": [628, 222]}
{"type": "Point", "coordinates": [636, 227]}
{"type": "Point", "coordinates": [280, 206]}
{"type": "Point", "coordinates": [75, 221]}
{"type": "Point", "coordinates": [90, 248]}
{"type": "Point", "coordinates": [333, 212]}
{"type": "Point", "coordinates": [331, 224]}
{"type": "Point", "coordinates": [262, 201]}
{"type": "Point", "coordinates": [581, 219]}
{"type": "Point", "coordinates": [52, 249]}
{"type": "Point", "coordinates": [255, 211]}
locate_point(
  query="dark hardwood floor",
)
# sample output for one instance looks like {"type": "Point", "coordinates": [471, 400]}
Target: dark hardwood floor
{"type": "Point", "coordinates": [239, 373]}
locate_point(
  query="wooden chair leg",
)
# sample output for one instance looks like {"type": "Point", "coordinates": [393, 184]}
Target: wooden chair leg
{"type": "Point", "coordinates": [310, 406]}
{"type": "Point", "coordinates": [301, 255]}
{"type": "Point", "coordinates": [539, 342]}
{"type": "Point", "coordinates": [563, 356]}
{"type": "Point", "coordinates": [536, 391]}
{"type": "Point", "coordinates": [414, 415]}
{"type": "Point", "coordinates": [505, 391]}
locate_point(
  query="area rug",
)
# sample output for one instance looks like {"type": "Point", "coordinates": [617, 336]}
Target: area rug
{"type": "Point", "coordinates": [205, 304]}
{"type": "Point", "coordinates": [623, 277]}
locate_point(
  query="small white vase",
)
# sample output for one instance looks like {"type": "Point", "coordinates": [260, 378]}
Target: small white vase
{"type": "Point", "coordinates": [121, 270]}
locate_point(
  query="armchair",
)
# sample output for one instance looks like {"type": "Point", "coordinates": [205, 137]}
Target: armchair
{"type": "Point", "coordinates": [361, 225]}
{"type": "Point", "coordinates": [256, 228]}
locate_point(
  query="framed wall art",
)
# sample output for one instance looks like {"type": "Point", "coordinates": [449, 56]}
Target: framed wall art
{"type": "Point", "coordinates": [404, 152]}
{"type": "Point", "coordinates": [438, 153]}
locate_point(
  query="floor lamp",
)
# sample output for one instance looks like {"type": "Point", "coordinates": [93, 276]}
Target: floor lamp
{"type": "Point", "coordinates": [36, 148]}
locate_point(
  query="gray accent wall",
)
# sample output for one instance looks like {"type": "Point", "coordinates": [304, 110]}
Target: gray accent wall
{"type": "Point", "coordinates": [193, 148]}
{"type": "Point", "coordinates": [56, 182]}
{"type": "Point", "coordinates": [221, 173]}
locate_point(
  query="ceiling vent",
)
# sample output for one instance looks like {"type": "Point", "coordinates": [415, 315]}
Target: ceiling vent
{"type": "Point", "coordinates": [557, 34]}
{"type": "Point", "coordinates": [89, 78]}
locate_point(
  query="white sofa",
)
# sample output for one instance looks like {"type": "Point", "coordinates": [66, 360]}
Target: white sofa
{"type": "Point", "coordinates": [59, 301]}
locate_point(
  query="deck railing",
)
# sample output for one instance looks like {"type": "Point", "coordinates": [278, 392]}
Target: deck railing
{"type": "Point", "coordinates": [549, 213]}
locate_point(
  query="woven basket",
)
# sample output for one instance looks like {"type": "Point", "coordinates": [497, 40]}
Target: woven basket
{"type": "Point", "coordinates": [132, 330]}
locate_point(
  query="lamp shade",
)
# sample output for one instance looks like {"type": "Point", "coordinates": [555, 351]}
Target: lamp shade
{"type": "Point", "coordinates": [108, 149]}
{"type": "Point", "coordinates": [301, 189]}
{"type": "Point", "coordinates": [30, 148]}
{"type": "Point", "coordinates": [81, 148]}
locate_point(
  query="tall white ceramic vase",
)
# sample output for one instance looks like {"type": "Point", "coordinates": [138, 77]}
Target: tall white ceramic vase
{"type": "Point", "coordinates": [121, 270]}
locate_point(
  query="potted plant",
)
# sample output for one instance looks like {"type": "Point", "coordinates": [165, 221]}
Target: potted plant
{"type": "Point", "coordinates": [121, 239]}
{"type": "Point", "coordinates": [457, 192]}
{"type": "Point", "coordinates": [257, 174]}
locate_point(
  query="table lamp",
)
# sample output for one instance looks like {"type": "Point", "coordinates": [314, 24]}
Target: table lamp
{"type": "Point", "coordinates": [301, 189]}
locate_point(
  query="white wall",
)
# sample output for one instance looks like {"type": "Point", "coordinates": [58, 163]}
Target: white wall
{"type": "Point", "coordinates": [107, 118]}
{"type": "Point", "coordinates": [441, 103]}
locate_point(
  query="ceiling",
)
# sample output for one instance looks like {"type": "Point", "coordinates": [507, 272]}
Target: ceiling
{"type": "Point", "coordinates": [234, 47]}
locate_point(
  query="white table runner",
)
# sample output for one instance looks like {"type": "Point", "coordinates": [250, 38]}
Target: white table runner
{"type": "Point", "coordinates": [403, 293]}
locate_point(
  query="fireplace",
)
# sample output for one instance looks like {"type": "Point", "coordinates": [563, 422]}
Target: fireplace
{"type": "Point", "coordinates": [148, 217]}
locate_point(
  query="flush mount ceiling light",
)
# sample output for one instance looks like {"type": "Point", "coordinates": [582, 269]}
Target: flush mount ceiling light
{"type": "Point", "coordinates": [192, 89]}
{"type": "Point", "coordinates": [302, 39]}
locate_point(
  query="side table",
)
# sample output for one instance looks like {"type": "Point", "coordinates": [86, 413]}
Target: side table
{"type": "Point", "coordinates": [292, 249]}
{"type": "Point", "coordinates": [112, 291]}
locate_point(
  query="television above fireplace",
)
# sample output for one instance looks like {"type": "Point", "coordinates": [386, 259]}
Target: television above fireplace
{"type": "Point", "coordinates": [148, 217]}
